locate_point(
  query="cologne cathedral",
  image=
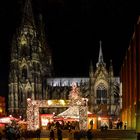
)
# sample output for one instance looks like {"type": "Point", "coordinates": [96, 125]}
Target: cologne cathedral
{"type": "Point", "coordinates": [31, 69]}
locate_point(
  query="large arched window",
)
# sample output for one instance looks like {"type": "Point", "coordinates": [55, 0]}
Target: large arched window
{"type": "Point", "coordinates": [101, 93]}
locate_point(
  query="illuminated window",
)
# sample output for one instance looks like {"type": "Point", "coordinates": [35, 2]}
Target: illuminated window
{"type": "Point", "coordinates": [101, 95]}
{"type": "Point", "coordinates": [24, 72]}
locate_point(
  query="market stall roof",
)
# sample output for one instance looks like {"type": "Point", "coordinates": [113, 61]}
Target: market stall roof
{"type": "Point", "coordinates": [75, 101]}
{"type": "Point", "coordinates": [71, 112]}
{"type": "Point", "coordinates": [7, 120]}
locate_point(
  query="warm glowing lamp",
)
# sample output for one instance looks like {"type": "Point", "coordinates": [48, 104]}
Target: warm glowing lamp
{"type": "Point", "coordinates": [99, 118]}
{"type": "Point", "coordinates": [28, 99]}
{"type": "Point", "coordinates": [49, 102]}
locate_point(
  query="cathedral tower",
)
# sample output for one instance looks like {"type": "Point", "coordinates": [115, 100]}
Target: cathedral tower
{"type": "Point", "coordinates": [30, 65]}
{"type": "Point", "coordinates": [104, 88]}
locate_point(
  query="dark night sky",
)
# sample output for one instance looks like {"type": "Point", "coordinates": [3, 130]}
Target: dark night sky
{"type": "Point", "coordinates": [74, 29]}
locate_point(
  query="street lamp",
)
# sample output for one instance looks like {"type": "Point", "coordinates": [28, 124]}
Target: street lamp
{"type": "Point", "coordinates": [20, 117]}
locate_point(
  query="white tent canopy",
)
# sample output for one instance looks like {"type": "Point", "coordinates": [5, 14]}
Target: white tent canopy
{"type": "Point", "coordinates": [71, 112]}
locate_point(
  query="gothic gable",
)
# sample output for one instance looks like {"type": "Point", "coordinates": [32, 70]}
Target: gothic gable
{"type": "Point", "coordinates": [101, 73]}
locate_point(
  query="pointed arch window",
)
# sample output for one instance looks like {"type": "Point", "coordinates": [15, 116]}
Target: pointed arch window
{"type": "Point", "coordinates": [24, 51]}
{"type": "Point", "coordinates": [101, 95]}
{"type": "Point", "coordinates": [24, 72]}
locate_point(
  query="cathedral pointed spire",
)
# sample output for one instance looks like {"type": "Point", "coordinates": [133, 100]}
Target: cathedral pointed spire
{"type": "Point", "coordinates": [100, 58]}
{"type": "Point", "coordinates": [42, 30]}
{"type": "Point", "coordinates": [28, 18]}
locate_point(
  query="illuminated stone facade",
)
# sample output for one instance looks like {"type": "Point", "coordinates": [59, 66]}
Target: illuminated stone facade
{"type": "Point", "coordinates": [30, 75]}
{"type": "Point", "coordinates": [30, 65]}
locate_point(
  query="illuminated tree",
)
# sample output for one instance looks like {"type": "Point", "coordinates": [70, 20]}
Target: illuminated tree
{"type": "Point", "coordinates": [74, 95]}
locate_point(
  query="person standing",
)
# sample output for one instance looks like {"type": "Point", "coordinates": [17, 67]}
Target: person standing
{"type": "Point", "coordinates": [91, 124]}
{"type": "Point", "coordinates": [89, 134]}
{"type": "Point", "coordinates": [125, 126]}
{"type": "Point", "coordinates": [52, 134]}
{"type": "Point", "coordinates": [59, 134]}
{"type": "Point", "coordinates": [38, 131]}
{"type": "Point", "coordinates": [0, 136]}
{"type": "Point", "coordinates": [121, 124]}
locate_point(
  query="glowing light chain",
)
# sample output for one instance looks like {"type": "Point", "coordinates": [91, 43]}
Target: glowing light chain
{"type": "Point", "coordinates": [77, 108]}
{"type": "Point", "coordinates": [32, 115]}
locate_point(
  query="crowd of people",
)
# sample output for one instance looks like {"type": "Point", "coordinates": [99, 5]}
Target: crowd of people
{"type": "Point", "coordinates": [71, 127]}
{"type": "Point", "coordinates": [121, 125]}
{"type": "Point", "coordinates": [14, 132]}
{"type": "Point", "coordinates": [11, 131]}
{"type": "Point", "coordinates": [74, 125]}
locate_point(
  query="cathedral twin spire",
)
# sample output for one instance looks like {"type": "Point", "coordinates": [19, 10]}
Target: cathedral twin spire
{"type": "Point", "coordinates": [28, 18]}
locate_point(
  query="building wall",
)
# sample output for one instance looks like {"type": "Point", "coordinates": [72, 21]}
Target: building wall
{"type": "Point", "coordinates": [2, 106]}
{"type": "Point", "coordinates": [130, 78]}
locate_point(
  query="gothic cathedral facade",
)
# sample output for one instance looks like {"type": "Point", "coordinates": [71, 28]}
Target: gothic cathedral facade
{"type": "Point", "coordinates": [31, 69]}
{"type": "Point", "coordinates": [30, 65]}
